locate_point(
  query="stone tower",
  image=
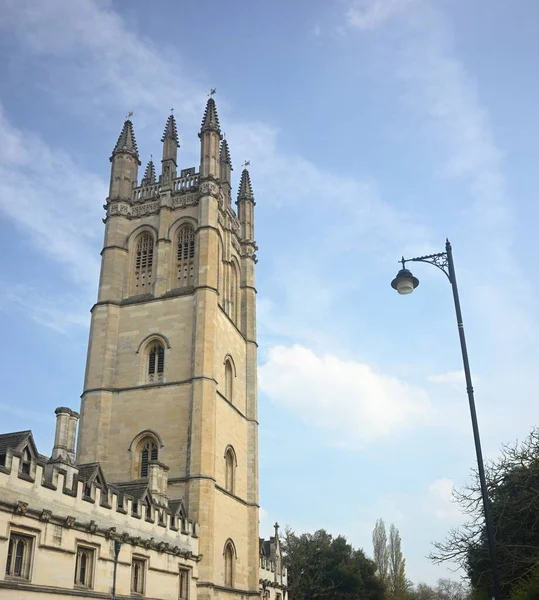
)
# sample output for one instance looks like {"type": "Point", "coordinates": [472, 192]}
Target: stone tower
{"type": "Point", "coordinates": [170, 389]}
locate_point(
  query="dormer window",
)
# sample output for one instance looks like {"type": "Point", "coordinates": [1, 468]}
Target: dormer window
{"type": "Point", "coordinates": [26, 462]}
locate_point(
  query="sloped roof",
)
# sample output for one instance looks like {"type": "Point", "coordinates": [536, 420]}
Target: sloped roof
{"type": "Point", "coordinates": [15, 441]}
{"type": "Point", "coordinates": [136, 489]}
{"type": "Point", "coordinates": [89, 471]}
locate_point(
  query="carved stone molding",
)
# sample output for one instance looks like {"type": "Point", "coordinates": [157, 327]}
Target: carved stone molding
{"type": "Point", "coordinates": [208, 188]}
{"type": "Point", "coordinates": [183, 200]}
{"type": "Point", "coordinates": [118, 208]}
{"type": "Point", "coordinates": [145, 209]}
{"type": "Point", "coordinates": [21, 508]}
{"type": "Point", "coordinates": [45, 515]}
{"type": "Point", "coordinates": [92, 526]}
{"type": "Point", "coordinates": [236, 245]}
{"type": "Point", "coordinates": [249, 252]}
{"type": "Point", "coordinates": [69, 522]}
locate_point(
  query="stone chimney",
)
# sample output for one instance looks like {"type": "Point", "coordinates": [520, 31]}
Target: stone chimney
{"type": "Point", "coordinates": [64, 438]}
{"type": "Point", "coordinates": [63, 452]}
{"type": "Point", "coordinates": [158, 482]}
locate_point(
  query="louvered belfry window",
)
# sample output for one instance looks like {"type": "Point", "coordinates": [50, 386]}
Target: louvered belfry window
{"type": "Point", "coordinates": [149, 452]}
{"type": "Point", "coordinates": [156, 363]}
{"type": "Point", "coordinates": [144, 264]}
{"type": "Point", "coordinates": [186, 256]}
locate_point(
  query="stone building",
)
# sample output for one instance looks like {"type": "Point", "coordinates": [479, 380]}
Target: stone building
{"type": "Point", "coordinates": [163, 485]}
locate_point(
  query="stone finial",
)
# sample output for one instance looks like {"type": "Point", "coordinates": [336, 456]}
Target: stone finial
{"type": "Point", "coordinates": [126, 142]}
{"type": "Point", "coordinates": [224, 154]}
{"type": "Point", "coordinates": [171, 131]}
{"type": "Point", "coordinates": [210, 121]}
{"type": "Point", "coordinates": [245, 191]}
{"type": "Point", "coordinates": [149, 174]}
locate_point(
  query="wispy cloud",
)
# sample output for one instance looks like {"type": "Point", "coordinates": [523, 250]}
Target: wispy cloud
{"type": "Point", "coordinates": [363, 220]}
{"type": "Point", "coordinates": [370, 14]}
{"type": "Point", "coordinates": [440, 500]}
{"type": "Point", "coordinates": [53, 200]}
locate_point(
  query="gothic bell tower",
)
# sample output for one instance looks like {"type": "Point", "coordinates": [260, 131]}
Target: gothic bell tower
{"type": "Point", "coordinates": [171, 366]}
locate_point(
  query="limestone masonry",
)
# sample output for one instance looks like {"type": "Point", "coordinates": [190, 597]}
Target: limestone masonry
{"type": "Point", "coordinates": [157, 496]}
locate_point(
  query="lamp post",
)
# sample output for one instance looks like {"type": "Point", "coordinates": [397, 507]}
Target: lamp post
{"type": "Point", "coordinates": [117, 548]}
{"type": "Point", "coordinates": [405, 283]}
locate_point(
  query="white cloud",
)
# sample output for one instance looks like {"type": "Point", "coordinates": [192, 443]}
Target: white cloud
{"type": "Point", "coordinates": [370, 14]}
{"type": "Point", "coordinates": [346, 400]}
{"type": "Point", "coordinates": [453, 378]}
{"type": "Point", "coordinates": [440, 500]}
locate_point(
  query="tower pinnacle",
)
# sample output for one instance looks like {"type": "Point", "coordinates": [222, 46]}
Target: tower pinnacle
{"type": "Point", "coordinates": [246, 189]}
{"type": "Point", "coordinates": [224, 155]}
{"type": "Point", "coordinates": [210, 121]}
{"type": "Point", "coordinates": [171, 132]}
{"type": "Point", "coordinates": [126, 142]}
{"type": "Point", "coordinates": [170, 152]}
{"type": "Point", "coordinates": [149, 174]}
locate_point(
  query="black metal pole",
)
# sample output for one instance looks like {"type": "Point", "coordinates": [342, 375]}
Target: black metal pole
{"type": "Point", "coordinates": [480, 467]}
{"type": "Point", "coordinates": [117, 546]}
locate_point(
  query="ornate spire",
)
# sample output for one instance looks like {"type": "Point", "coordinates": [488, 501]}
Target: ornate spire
{"type": "Point", "coordinates": [246, 190]}
{"type": "Point", "coordinates": [210, 121]}
{"type": "Point", "coordinates": [149, 174]}
{"type": "Point", "coordinates": [171, 133]}
{"type": "Point", "coordinates": [224, 155]}
{"type": "Point", "coordinates": [126, 142]}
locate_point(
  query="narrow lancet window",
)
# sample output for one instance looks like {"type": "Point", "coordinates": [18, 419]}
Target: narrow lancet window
{"type": "Point", "coordinates": [186, 256]}
{"type": "Point", "coordinates": [149, 452]}
{"type": "Point", "coordinates": [144, 264]}
{"type": "Point", "coordinates": [156, 363]}
{"type": "Point", "coordinates": [230, 466]}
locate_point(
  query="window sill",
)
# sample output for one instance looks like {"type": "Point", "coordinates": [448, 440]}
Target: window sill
{"type": "Point", "coordinates": [17, 578]}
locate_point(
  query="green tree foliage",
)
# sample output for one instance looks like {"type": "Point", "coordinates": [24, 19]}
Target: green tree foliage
{"type": "Point", "coordinates": [397, 586]}
{"type": "Point", "coordinates": [513, 487]}
{"type": "Point", "coordinates": [321, 567]}
{"type": "Point", "coordinates": [389, 561]}
{"type": "Point", "coordinates": [381, 551]}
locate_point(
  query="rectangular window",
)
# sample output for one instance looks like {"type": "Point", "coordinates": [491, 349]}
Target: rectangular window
{"type": "Point", "coordinates": [184, 584]}
{"type": "Point", "coordinates": [138, 575]}
{"type": "Point", "coordinates": [84, 568]}
{"type": "Point", "coordinates": [57, 535]}
{"type": "Point", "coordinates": [19, 556]}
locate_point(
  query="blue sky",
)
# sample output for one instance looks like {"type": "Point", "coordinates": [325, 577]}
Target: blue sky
{"type": "Point", "coordinates": [374, 128]}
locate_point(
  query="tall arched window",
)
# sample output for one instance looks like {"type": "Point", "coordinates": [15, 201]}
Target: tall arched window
{"type": "Point", "coordinates": [156, 362]}
{"type": "Point", "coordinates": [144, 264]}
{"type": "Point", "coordinates": [229, 564]}
{"type": "Point", "coordinates": [233, 294]}
{"type": "Point", "coordinates": [230, 468]}
{"type": "Point", "coordinates": [229, 379]}
{"type": "Point", "coordinates": [186, 256]}
{"type": "Point", "coordinates": [148, 452]}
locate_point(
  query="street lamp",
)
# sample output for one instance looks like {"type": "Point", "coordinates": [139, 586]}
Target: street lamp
{"type": "Point", "coordinates": [117, 548]}
{"type": "Point", "coordinates": [405, 283]}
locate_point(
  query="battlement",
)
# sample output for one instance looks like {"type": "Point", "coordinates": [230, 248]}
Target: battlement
{"type": "Point", "coordinates": [187, 182]}
{"type": "Point", "coordinates": [93, 507]}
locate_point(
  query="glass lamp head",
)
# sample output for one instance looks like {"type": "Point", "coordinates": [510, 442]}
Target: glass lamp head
{"type": "Point", "coordinates": [405, 282]}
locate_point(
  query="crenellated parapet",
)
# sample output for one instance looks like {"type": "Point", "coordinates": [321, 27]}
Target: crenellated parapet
{"type": "Point", "coordinates": [103, 510]}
